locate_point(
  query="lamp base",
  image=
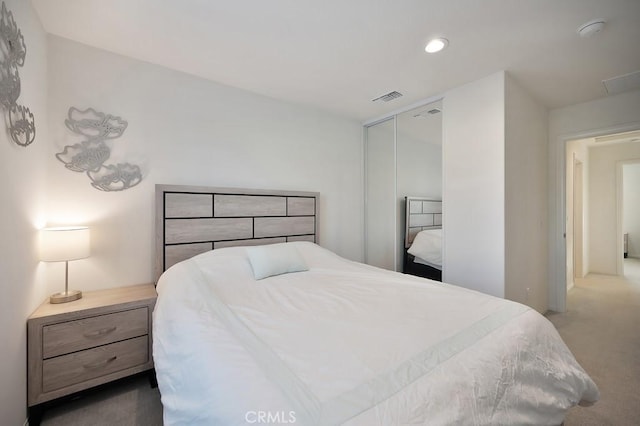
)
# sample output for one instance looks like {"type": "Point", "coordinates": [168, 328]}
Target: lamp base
{"type": "Point", "coordinates": [65, 296]}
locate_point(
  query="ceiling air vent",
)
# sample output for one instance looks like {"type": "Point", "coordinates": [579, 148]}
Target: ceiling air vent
{"type": "Point", "coordinates": [633, 136]}
{"type": "Point", "coordinates": [425, 113]}
{"type": "Point", "coordinates": [388, 97]}
{"type": "Point", "coordinates": [623, 83]}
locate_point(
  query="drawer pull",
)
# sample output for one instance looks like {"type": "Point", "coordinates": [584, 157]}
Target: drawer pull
{"type": "Point", "coordinates": [100, 333]}
{"type": "Point", "coordinates": [99, 364]}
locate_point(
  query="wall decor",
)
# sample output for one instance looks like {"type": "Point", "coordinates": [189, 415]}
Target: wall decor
{"type": "Point", "coordinates": [90, 155]}
{"type": "Point", "coordinates": [13, 50]}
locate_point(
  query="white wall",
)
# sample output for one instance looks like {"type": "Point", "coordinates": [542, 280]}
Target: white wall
{"type": "Point", "coordinates": [22, 184]}
{"type": "Point", "coordinates": [602, 116]}
{"type": "Point", "coordinates": [494, 150]}
{"type": "Point", "coordinates": [525, 198]}
{"type": "Point", "coordinates": [186, 130]}
{"type": "Point", "coordinates": [631, 207]}
{"type": "Point", "coordinates": [473, 185]}
{"type": "Point", "coordinates": [604, 253]}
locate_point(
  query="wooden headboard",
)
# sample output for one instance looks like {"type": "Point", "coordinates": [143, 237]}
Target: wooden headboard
{"type": "Point", "coordinates": [193, 219]}
{"type": "Point", "coordinates": [421, 213]}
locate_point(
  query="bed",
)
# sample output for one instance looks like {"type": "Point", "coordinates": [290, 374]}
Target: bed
{"type": "Point", "coordinates": [423, 238]}
{"type": "Point", "coordinates": [290, 332]}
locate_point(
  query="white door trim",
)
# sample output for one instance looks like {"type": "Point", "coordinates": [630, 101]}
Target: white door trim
{"type": "Point", "coordinates": [578, 220]}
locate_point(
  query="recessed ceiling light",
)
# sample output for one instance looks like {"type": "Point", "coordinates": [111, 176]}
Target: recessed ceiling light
{"type": "Point", "coordinates": [436, 45]}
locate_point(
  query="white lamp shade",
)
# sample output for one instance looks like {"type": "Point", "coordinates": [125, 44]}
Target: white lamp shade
{"type": "Point", "coordinates": [64, 243]}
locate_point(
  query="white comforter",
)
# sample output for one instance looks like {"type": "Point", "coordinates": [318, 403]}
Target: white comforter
{"type": "Point", "coordinates": [345, 343]}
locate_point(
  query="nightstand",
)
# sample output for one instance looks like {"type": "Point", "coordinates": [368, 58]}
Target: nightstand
{"type": "Point", "coordinates": [102, 337]}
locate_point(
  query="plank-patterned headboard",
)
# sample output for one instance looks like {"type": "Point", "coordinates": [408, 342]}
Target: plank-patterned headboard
{"type": "Point", "coordinates": [193, 219]}
{"type": "Point", "coordinates": [421, 213]}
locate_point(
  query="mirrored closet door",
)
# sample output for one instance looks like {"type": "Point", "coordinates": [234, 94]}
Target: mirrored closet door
{"type": "Point", "coordinates": [380, 175]}
{"type": "Point", "coordinates": [403, 158]}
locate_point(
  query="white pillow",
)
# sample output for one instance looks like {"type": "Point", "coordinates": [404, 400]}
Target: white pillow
{"type": "Point", "coordinates": [427, 245]}
{"type": "Point", "coordinates": [275, 259]}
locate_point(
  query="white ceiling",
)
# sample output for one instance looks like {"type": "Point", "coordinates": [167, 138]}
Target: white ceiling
{"type": "Point", "coordinates": [339, 54]}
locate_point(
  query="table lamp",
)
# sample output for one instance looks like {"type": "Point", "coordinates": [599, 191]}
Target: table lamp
{"type": "Point", "coordinates": [63, 244]}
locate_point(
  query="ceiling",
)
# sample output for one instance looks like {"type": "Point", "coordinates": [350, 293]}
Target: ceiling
{"type": "Point", "coordinates": [338, 55]}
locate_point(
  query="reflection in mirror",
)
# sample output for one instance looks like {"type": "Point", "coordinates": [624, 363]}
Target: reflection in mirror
{"type": "Point", "coordinates": [419, 163]}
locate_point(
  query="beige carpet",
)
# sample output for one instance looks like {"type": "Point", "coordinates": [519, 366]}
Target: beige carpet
{"type": "Point", "coordinates": [602, 329]}
{"type": "Point", "coordinates": [128, 402]}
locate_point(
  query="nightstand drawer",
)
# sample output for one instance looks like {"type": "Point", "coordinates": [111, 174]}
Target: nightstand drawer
{"type": "Point", "coordinates": [72, 336]}
{"type": "Point", "coordinates": [81, 366]}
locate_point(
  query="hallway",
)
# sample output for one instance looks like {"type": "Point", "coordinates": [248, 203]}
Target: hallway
{"type": "Point", "coordinates": [602, 329]}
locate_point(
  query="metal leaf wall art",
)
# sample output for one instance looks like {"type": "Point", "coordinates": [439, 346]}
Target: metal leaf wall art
{"type": "Point", "coordinates": [13, 50]}
{"type": "Point", "coordinates": [90, 155]}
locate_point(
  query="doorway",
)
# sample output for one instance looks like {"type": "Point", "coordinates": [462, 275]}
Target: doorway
{"type": "Point", "coordinates": [600, 175]}
{"type": "Point", "coordinates": [629, 206]}
{"type": "Point", "coordinates": [562, 246]}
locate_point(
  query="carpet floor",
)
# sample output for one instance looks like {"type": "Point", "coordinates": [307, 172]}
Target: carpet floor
{"type": "Point", "coordinates": [127, 402]}
{"type": "Point", "coordinates": [601, 327]}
